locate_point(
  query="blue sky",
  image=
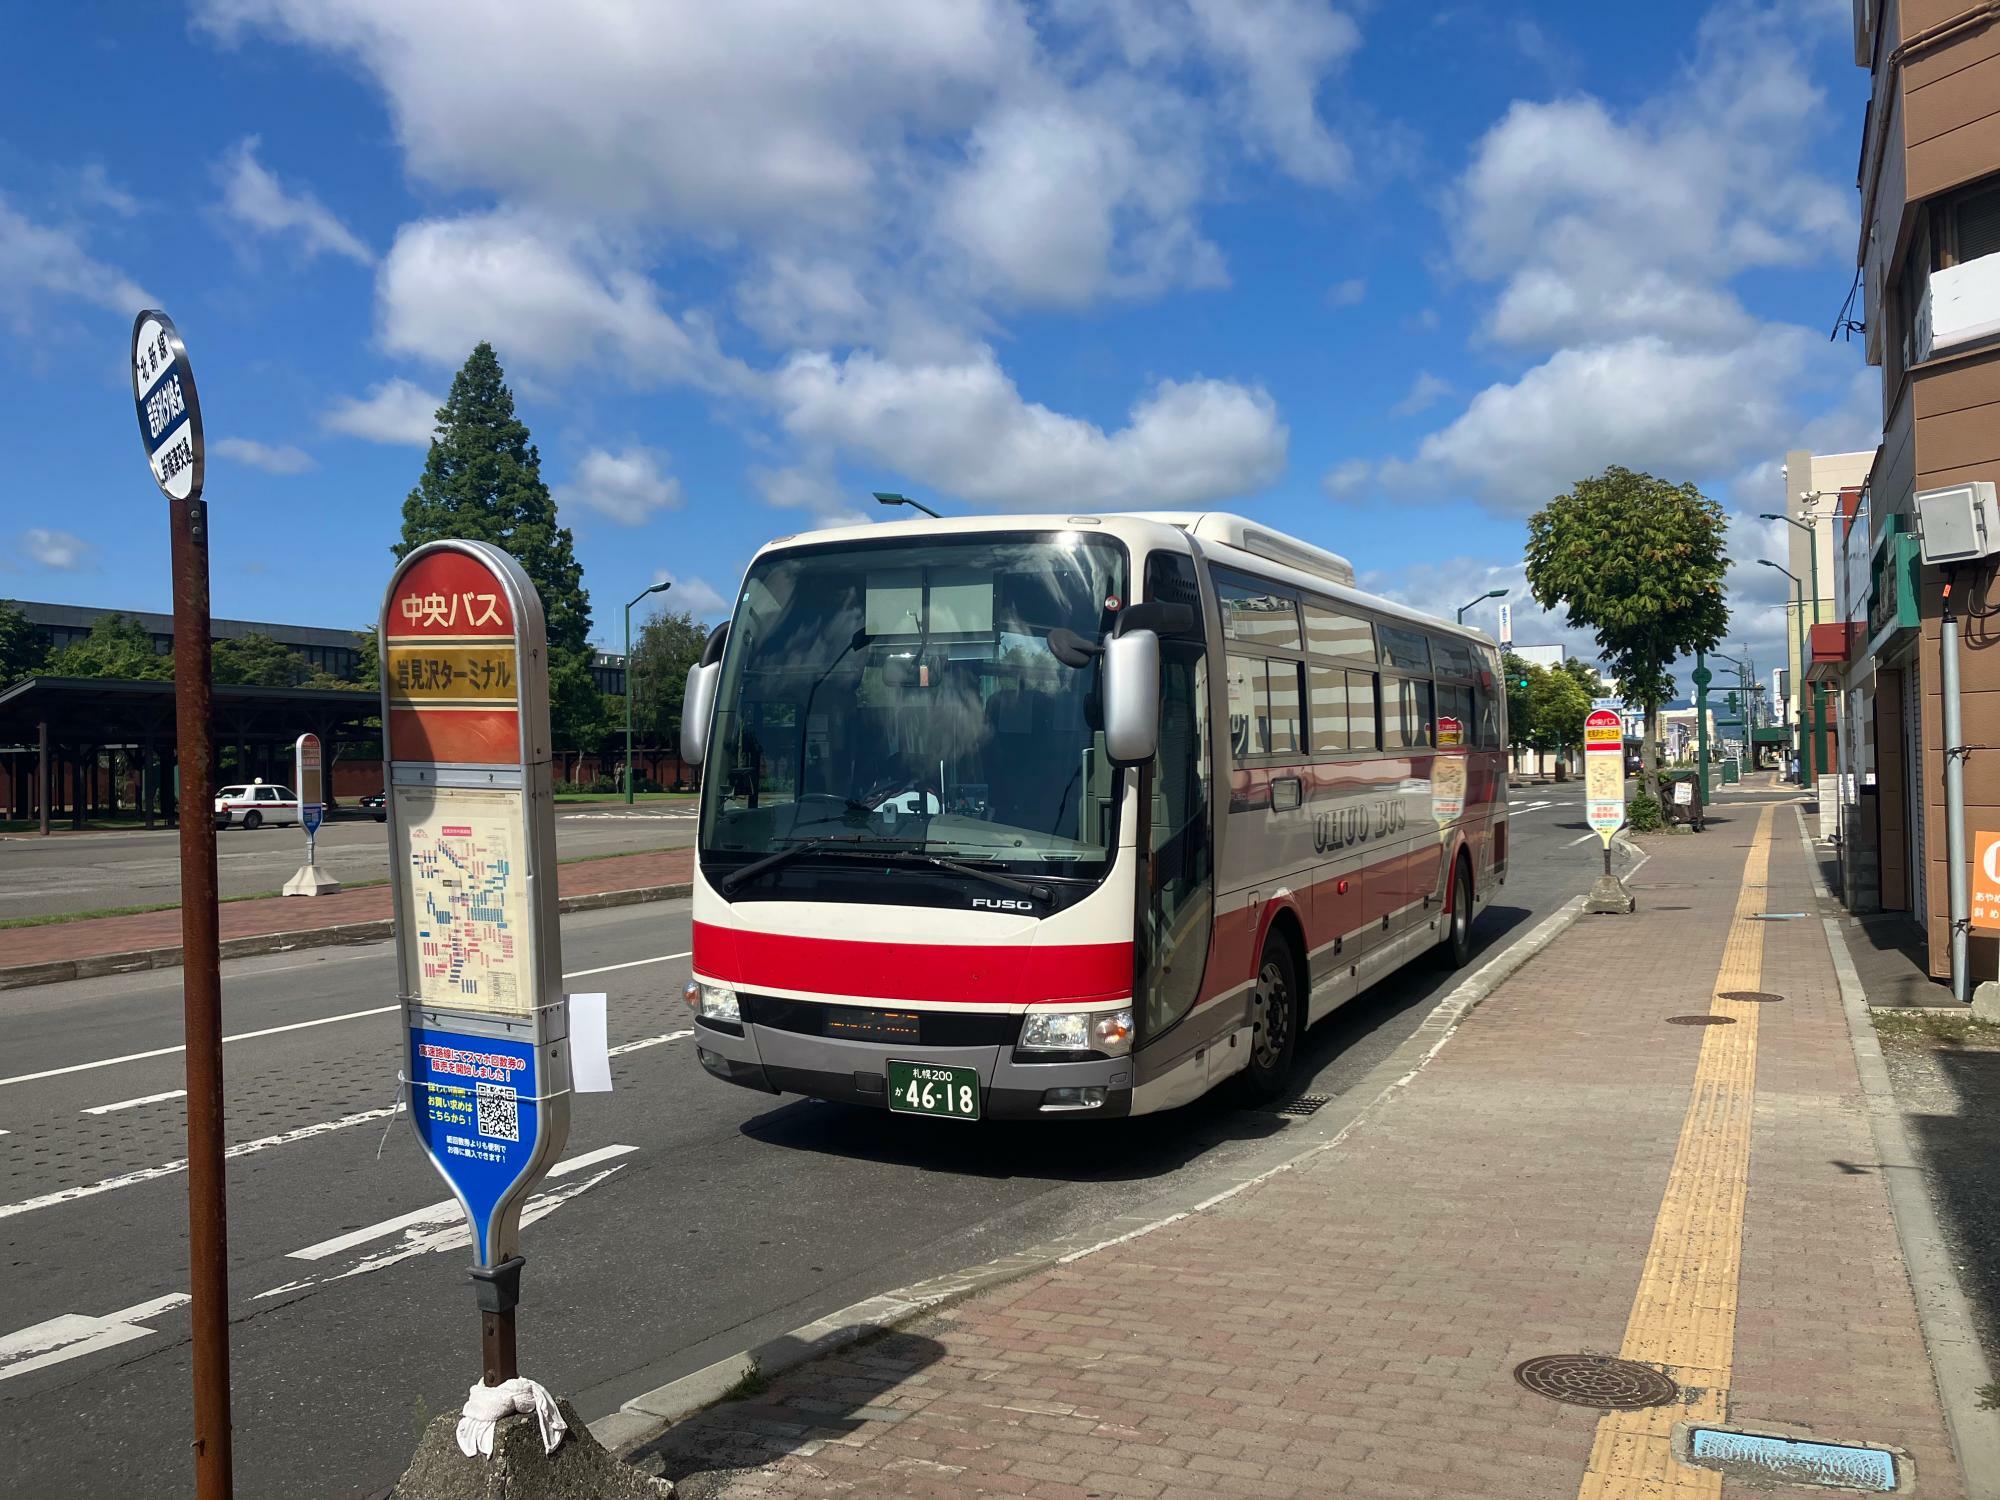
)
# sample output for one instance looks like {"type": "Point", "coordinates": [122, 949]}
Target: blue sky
{"type": "Point", "coordinates": [1385, 276]}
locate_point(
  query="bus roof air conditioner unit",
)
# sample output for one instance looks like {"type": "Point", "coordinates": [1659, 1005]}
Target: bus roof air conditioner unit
{"type": "Point", "coordinates": [1248, 536]}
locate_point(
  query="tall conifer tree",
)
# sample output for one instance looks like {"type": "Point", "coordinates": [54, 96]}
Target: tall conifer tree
{"type": "Point", "coordinates": [483, 482]}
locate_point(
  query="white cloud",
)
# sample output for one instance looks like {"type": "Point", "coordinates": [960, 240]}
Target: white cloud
{"type": "Point", "coordinates": [1347, 479]}
{"type": "Point", "coordinates": [38, 259]}
{"type": "Point", "coordinates": [1426, 391]}
{"type": "Point", "coordinates": [1346, 293]}
{"type": "Point", "coordinates": [252, 196]}
{"type": "Point", "coordinates": [395, 411]}
{"type": "Point", "coordinates": [1640, 403]}
{"type": "Point", "coordinates": [95, 188]}
{"type": "Point", "coordinates": [695, 595]}
{"type": "Point", "coordinates": [62, 551]}
{"type": "Point", "coordinates": [949, 154]}
{"type": "Point", "coordinates": [965, 429]}
{"type": "Point", "coordinates": [271, 458]}
{"type": "Point", "coordinates": [1282, 50]}
{"type": "Point", "coordinates": [628, 487]}
{"type": "Point", "coordinates": [552, 300]}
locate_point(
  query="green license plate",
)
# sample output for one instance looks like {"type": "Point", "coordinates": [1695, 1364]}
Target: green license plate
{"type": "Point", "coordinates": [932, 1089]}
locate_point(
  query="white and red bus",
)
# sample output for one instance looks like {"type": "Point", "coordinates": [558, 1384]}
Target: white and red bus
{"type": "Point", "coordinates": [1022, 816]}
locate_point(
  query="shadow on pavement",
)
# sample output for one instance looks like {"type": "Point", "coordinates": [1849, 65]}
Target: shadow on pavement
{"type": "Point", "coordinates": [1957, 1131]}
{"type": "Point", "coordinates": [841, 1391]}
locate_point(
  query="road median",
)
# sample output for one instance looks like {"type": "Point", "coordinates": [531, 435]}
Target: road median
{"type": "Point", "coordinates": [97, 946]}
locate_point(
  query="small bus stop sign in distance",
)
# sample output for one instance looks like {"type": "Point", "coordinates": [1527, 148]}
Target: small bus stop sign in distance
{"type": "Point", "coordinates": [309, 782]}
{"type": "Point", "coordinates": [169, 412]}
{"type": "Point", "coordinates": [465, 713]}
{"type": "Point", "coordinates": [1604, 772]}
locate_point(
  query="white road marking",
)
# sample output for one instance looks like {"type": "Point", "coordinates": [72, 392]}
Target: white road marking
{"type": "Point", "coordinates": [1575, 841]}
{"type": "Point", "coordinates": [142, 1312]}
{"type": "Point", "coordinates": [648, 1041]}
{"type": "Point", "coordinates": [1538, 807]}
{"type": "Point", "coordinates": [442, 1213]}
{"type": "Point", "coordinates": [422, 1236]}
{"type": "Point", "coordinates": [247, 1036]}
{"type": "Point", "coordinates": [72, 1335]}
{"type": "Point", "coordinates": [635, 964]}
{"type": "Point", "coordinates": [106, 1109]}
{"type": "Point", "coordinates": [169, 1169]}
{"type": "Point", "coordinates": [241, 1036]}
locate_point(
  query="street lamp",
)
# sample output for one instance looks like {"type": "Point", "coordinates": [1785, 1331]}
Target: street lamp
{"type": "Point", "coordinates": [1489, 594]}
{"type": "Point", "coordinates": [883, 497]}
{"type": "Point", "coordinates": [1810, 526]}
{"type": "Point", "coordinates": [658, 588]}
{"type": "Point", "coordinates": [1799, 695]}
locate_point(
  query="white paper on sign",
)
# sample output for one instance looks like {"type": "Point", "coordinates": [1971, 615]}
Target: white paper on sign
{"type": "Point", "coordinates": [589, 1045]}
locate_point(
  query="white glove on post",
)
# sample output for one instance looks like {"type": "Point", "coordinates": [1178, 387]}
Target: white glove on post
{"type": "Point", "coordinates": [485, 1405]}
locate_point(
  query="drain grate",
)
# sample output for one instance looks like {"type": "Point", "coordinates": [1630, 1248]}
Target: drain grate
{"type": "Point", "coordinates": [1776, 916]}
{"type": "Point", "coordinates": [1306, 1104]}
{"type": "Point", "coordinates": [1754, 1456]}
{"type": "Point", "coordinates": [1701, 1020]}
{"type": "Point", "coordinates": [1753, 997]}
{"type": "Point", "coordinates": [1596, 1380]}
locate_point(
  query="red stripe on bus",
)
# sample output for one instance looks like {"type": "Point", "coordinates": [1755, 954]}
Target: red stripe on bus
{"type": "Point", "coordinates": [944, 973]}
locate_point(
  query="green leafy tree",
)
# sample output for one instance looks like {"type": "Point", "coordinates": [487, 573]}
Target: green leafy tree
{"type": "Point", "coordinates": [367, 670]}
{"type": "Point", "coordinates": [1561, 706]}
{"type": "Point", "coordinates": [1640, 563]}
{"type": "Point", "coordinates": [483, 482]}
{"type": "Point", "coordinates": [23, 648]}
{"type": "Point", "coordinates": [258, 661]}
{"type": "Point", "coordinates": [117, 646]}
{"type": "Point", "coordinates": [669, 643]}
{"type": "Point", "coordinates": [1521, 684]}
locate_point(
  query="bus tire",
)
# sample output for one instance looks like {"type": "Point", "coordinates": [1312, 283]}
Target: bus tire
{"type": "Point", "coordinates": [1455, 948]}
{"type": "Point", "coordinates": [1276, 1002]}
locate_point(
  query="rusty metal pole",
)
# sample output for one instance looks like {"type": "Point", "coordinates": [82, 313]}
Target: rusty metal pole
{"type": "Point", "coordinates": [201, 989]}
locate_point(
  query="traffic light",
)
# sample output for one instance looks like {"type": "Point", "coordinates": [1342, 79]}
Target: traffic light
{"type": "Point", "coordinates": [1522, 684]}
{"type": "Point", "coordinates": [1732, 702]}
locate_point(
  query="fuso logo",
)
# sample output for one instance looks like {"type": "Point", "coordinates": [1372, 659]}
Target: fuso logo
{"type": "Point", "coordinates": [1002, 903]}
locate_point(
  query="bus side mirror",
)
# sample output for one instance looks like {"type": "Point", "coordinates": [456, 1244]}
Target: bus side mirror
{"type": "Point", "coordinates": [695, 708]}
{"type": "Point", "coordinates": [1132, 696]}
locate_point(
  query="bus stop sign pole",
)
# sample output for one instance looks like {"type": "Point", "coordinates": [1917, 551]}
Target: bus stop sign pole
{"type": "Point", "coordinates": [472, 866]}
{"type": "Point", "coordinates": [170, 424]}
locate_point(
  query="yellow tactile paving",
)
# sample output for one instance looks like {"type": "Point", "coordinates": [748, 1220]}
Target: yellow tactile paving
{"type": "Point", "coordinates": [1684, 1316]}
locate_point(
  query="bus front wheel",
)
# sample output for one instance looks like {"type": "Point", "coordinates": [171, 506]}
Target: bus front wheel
{"type": "Point", "coordinates": [1275, 1014]}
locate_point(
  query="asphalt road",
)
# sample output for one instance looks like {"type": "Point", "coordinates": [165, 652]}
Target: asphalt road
{"type": "Point", "coordinates": [694, 1219]}
{"type": "Point", "coordinates": [91, 871]}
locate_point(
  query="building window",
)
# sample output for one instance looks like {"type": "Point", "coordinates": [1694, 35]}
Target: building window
{"type": "Point", "coordinates": [1969, 224]}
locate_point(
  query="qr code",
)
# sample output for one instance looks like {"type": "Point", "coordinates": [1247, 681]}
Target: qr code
{"type": "Point", "coordinates": [499, 1112]}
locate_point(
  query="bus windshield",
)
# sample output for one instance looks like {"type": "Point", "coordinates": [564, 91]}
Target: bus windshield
{"type": "Point", "coordinates": [900, 697]}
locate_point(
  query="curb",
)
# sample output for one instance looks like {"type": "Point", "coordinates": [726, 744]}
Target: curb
{"type": "Point", "coordinates": [648, 1416]}
{"type": "Point", "coordinates": [95, 966]}
{"type": "Point", "coordinates": [1960, 1365]}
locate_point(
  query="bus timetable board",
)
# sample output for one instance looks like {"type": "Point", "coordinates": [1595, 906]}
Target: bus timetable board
{"type": "Point", "coordinates": [472, 861]}
{"type": "Point", "coordinates": [1604, 772]}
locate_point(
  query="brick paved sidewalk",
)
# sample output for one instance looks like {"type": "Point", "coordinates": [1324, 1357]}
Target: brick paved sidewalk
{"type": "Point", "coordinates": [1570, 1174]}
{"type": "Point", "coordinates": [145, 931]}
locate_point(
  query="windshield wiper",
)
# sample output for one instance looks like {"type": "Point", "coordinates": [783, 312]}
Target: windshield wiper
{"type": "Point", "coordinates": [886, 854]}
{"type": "Point", "coordinates": [783, 857]}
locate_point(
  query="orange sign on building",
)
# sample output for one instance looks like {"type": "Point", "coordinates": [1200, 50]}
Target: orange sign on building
{"type": "Point", "coordinates": [1986, 881]}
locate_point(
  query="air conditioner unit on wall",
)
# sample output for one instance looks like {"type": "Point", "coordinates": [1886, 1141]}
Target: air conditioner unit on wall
{"type": "Point", "coordinates": [1958, 523]}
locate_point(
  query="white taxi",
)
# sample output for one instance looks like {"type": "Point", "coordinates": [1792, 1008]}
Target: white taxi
{"type": "Point", "coordinates": [255, 805]}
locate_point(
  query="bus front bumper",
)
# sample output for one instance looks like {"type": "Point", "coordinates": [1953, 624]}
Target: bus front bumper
{"type": "Point", "coordinates": [854, 1072]}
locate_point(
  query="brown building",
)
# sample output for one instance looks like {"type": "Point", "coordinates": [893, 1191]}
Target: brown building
{"type": "Point", "coordinates": [1929, 259]}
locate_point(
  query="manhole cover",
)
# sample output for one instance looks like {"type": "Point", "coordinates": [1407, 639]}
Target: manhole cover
{"type": "Point", "coordinates": [1306, 1104]}
{"type": "Point", "coordinates": [1701, 1021]}
{"type": "Point", "coordinates": [1753, 997]}
{"type": "Point", "coordinates": [1596, 1380]}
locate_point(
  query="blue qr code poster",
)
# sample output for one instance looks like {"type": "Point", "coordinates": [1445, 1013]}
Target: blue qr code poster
{"type": "Point", "coordinates": [473, 1101]}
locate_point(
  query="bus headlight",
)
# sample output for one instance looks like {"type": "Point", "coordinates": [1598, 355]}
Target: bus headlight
{"type": "Point", "coordinates": [1107, 1031]}
{"type": "Point", "coordinates": [712, 1002]}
